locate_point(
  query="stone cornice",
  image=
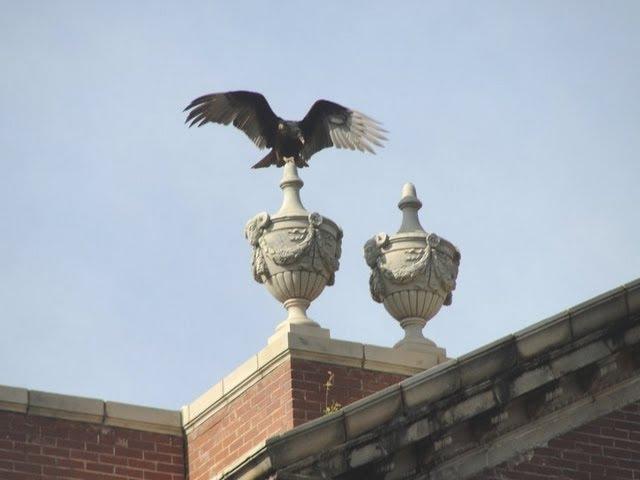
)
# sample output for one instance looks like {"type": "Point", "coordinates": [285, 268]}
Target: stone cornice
{"type": "Point", "coordinates": [584, 360]}
{"type": "Point", "coordinates": [91, 410]}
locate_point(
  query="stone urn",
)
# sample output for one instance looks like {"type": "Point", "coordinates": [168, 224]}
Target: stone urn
{"type": "Point", "coordinates": [413, 273]}
{"type": "Point", "coordinates": [295, 253]}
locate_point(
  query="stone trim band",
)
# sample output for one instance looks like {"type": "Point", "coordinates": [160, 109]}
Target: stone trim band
{"type": "Point", "coordinates": [91, 410]}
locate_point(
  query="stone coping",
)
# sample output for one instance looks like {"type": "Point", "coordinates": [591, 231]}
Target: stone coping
{"type": "Point", "coordinates": [514, 368]}
{"type": "Point", "coordinates": [91, 410]}
{"type": "Point", "coordinates": [305, 343]}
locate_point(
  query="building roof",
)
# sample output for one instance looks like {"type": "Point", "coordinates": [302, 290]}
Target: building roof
{"type": "Point", "coordinates": [476, 411]}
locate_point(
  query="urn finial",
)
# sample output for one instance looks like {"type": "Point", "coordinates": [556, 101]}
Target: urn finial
{"type": "Point", "coordinates": [413, 274]}
{"type": "Point", "coordinates": [291, 184]}
{"type": "Point", "coordinates": [409, 205]}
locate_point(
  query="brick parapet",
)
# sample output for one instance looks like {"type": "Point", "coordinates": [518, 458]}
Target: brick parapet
{"type": "Point", "coordinates": [90, 410]}
{"type": "Point", "coordinates": [263, 409]}
{"type": "Point", "coordinates": [289, 345]}
{"type": "Point", "coordinates": [35, 447]}
{"type": "Point", "coordinates": [290, 395]}
{"type": "Point", "coordinates": [279, 388]}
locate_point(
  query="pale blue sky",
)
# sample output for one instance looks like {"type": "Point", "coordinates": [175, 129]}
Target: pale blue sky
{"type": "Point", "coordinates": [125, 274]}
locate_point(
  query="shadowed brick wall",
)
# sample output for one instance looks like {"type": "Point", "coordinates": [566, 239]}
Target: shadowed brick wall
{"type": "Point", "coordinates": [349, 384]}
{"type": "Point", "coordinates": [42, 448]}
{"type": "Point", "coordinates": [607, 448]}
{"type": "Point", "coordinates": [290, 395]}
{"type": "Point", "coordinates": [261, 411]}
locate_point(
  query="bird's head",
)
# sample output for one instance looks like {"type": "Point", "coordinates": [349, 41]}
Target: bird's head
{"type": "Point", "coordinates": [293, 129]}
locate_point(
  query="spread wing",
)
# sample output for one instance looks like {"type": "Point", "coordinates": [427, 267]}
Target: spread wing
{"type": "Point", "coordinates": [328, 124]}
{"type": "Point", "coordinates": [249, 111]}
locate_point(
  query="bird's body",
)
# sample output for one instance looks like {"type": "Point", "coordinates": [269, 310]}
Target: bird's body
{"type": "Point", "coordinates": [326, 124]}
{"type": "Point", "coordinates": [289, 141]}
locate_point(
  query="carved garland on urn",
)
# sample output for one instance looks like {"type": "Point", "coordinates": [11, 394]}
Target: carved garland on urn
{"type": "Point", "coordinates": [433, 268]}
{"type": "Point", "coordinates": [310, 242]}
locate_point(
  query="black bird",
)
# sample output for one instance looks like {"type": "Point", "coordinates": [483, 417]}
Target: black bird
{"type": "Point", "coordinates": [326, 124]}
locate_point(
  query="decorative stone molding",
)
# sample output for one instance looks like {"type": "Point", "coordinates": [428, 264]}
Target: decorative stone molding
{"type": "Point", "coordinates": [90, 410]}
{"type": "Point", "coordinates": [295, 253]}
{"type": "Point", "coordinates": [413, 273]}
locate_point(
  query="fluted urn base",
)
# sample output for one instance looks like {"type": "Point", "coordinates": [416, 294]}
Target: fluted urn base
{"type": "Point", "coordinates": [413, 303]}
{"type": "Point", "coordinates": [298, 284]}
{"type": "Point", "coordinates": [412, 308]}
{"type": "Point", "coordinates": [413, 339]}
{"type": "Point", "coordinates": [296, 290]}
{"type": "Point", "coordinates": [297, 312]}
{"type": "Point", "coordinates": [298, 322]}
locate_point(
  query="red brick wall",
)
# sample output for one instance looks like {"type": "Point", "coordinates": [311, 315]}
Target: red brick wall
{"type": "Point", "coordinates": [41, 448]}
{"type": "Point", "coordinates": [263, 410]}
{"type": "Point", "coordinates": [349, 384]}
{"type": "Point", "coordinates": [288, 396]}
{"type": "Point", "coordinates": [607, 448]}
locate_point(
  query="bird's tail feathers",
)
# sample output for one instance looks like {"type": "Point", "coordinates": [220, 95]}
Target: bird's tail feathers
{"type": "Point", "coordinates": [269, 159]}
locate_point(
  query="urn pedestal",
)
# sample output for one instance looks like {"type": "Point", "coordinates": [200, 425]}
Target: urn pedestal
{"type": "Point", "coordinates": [295, 254]}
{"type": "Point", "coordinates": [413, 273]}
